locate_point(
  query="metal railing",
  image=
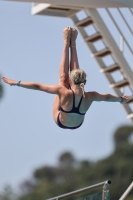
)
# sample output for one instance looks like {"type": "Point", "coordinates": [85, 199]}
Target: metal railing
{"type": "Point", "coordinates": [104, 184]}
{"type": "Point", "coordinates": [131, 10]}
{"type": "Point", "coordinates": [121, 33]}
{"type": "Point", "coordinates": [125, 20]}
{"type": "Point", "coordinates": [123, 39]}
{"type": "Point", "coordinates": [127, 192]}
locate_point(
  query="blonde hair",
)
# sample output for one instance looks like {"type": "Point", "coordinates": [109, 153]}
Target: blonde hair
{"type": "Point", "coordinates": [78, 77]}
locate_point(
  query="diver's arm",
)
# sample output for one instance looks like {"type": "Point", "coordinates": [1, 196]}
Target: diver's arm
{"type": "Point", "coordinates": [109, 97]}
{"type": "Point", "coordinates": [53, 89]}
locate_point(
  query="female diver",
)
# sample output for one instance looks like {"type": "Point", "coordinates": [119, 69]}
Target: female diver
{"type": "Point", "coordinates": [71, 101]}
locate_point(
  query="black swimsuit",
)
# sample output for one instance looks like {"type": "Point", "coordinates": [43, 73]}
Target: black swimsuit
{"type": "Point", "coordinates": [73, 110]}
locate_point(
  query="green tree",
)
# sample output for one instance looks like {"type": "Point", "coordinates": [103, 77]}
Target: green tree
{"type": "Point", "coordinates": [71, 174]}
{"type": "Point", "coordinates": [122, 135]}
{"type": "Point", "coordinates": [67, 160]}
{"type": "Point", "coordinates": [8, 194]}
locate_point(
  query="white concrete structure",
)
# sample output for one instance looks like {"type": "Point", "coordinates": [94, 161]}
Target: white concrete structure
{"type": "Point", "coordinates": [86, 3]}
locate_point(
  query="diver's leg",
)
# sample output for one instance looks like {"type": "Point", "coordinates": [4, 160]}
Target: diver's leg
{"type": "Point", "coordinates": [74, 57]}
{"type": "Point", "coordinates": [63, 70]}
{"type": "Point", "coordinates": [64, 64]}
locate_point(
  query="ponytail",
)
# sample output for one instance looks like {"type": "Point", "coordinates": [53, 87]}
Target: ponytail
{"type": "Point", "coordinates": [82, 87]}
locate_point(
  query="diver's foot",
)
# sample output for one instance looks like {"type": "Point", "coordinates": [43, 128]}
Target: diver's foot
{"type": "Point", "coordinates": [67, 35]}
{"type": "Point", "coordinates": [74, 34]}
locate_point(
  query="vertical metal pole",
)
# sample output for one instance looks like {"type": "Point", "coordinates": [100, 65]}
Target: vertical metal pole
{"type": "Point", "coordinates": [122, 50]}
{"type": "Point", "coordinates": [121, 43]}
{"type": "Point", "coordinates": [104, 194]}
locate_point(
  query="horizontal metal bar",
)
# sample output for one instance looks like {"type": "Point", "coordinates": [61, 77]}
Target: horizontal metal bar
{"type": "Point", "coordinates": [127, 192]}
{"type": "Point", "coordinates": [81, 190]}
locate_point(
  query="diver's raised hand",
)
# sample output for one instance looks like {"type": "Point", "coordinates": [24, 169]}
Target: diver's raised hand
{"type": "Point", "coordinates": [125, 99]}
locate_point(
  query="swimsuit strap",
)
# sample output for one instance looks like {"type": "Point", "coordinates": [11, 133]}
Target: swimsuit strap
{"type": "Point", "coordinates": [73, 98]}
{"type": "Point", "coordinates": [74, 109]}
{"type": "Point", "coordinates": [80, 102]}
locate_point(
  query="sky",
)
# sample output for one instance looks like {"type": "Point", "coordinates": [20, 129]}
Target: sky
{"type": "Point", "coordinates": [30, 50]}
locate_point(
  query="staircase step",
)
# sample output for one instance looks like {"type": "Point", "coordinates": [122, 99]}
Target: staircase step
{"type": "Point", "coordinates": [130, 116]}
{"type": "Point", "coordinates": [101, 53]}
{"type": "Point", "coordinates": [85, 22]}
{"type": "Point", "coordinates": [119, 84]}
{"type": "Point", "coordinates": [110, 69]}
{"type": "Point", "coordinates": [93, 37]}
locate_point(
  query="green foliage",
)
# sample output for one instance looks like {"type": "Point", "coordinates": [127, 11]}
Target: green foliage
{"type": "Point", "coordinates": [8, 194]}
{"type": "Point", "coordinates": [66, 160]}
{"type": "Point", "coordinates": [122, 134]}
{"type": "Point", "coordinates": [71, 174]}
